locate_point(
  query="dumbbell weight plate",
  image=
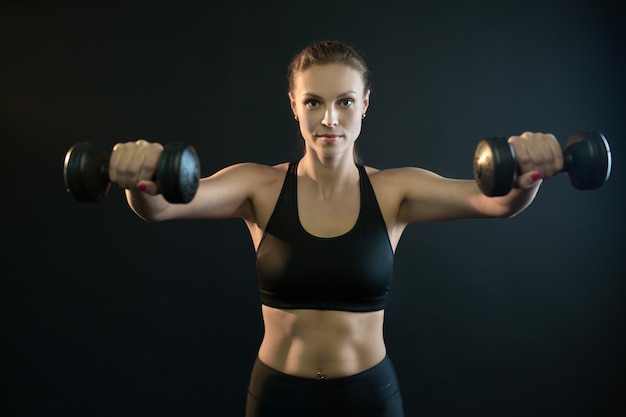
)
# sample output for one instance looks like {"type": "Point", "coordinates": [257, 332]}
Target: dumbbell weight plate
{"type": "Point", "coordinates": [587, 160]}
{"type": "Point", "coordinates": [495, 169]}
{"type": "Point", "coordinates": [85, 171]}
{"type": "Point", "coordinates": [178, 173]}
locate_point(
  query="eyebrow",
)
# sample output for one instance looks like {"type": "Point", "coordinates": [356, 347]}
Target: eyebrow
{"type": "Point", "coordinates": [312, 95]}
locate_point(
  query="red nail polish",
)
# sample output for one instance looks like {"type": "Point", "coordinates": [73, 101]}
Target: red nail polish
{"type": "Point", "coordinates": [535, 177]}
{"type": "Point", "coordinates": [142, 187]}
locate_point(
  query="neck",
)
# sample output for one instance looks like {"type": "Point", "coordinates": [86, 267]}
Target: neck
{"type": "Point", "coordinates": [330, 175]}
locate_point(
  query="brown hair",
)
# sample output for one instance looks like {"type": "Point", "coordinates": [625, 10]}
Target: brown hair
{"type": "Point", "coordinates": [328, 52]}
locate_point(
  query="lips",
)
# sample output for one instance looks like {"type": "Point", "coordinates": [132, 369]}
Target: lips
{"type": "Point", "coordinates": [329, 136]}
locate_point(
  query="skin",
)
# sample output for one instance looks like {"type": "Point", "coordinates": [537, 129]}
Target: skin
{"type": "Point", "coordinates": [329, 102]}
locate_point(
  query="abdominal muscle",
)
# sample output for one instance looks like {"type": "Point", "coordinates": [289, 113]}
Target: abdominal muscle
{"type": "Point", "coordinates": [321, 344]}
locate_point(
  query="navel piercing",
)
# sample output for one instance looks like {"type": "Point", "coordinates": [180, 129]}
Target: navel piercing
{"type": "Point", "coordinates": [321, 375]}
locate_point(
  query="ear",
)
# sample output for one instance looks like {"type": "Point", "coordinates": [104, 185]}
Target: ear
{"type": "Point", "coordinates": [366, 101]}
{"type": "Point", "coordinates": [292, 103]}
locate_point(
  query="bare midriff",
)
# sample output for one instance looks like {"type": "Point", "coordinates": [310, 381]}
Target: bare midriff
{"type": "Point", "coordinates": [322, 344]}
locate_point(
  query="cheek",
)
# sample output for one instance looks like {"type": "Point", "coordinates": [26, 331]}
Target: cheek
{"type": "Point", "coordinates": [308, 125]}
{"type": "Point", "coordinates": [354, 119]}
{"type": "Point", "coordinates": [310, 119]}
{"type": "Point", "coordinates": [311, 122]}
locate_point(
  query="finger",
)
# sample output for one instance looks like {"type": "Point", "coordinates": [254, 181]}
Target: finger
{"type": "Point", "coordinates": [133, 168]}
{"type": "Point", "coordinates": [556, 154]}
{"type": "Point", "coordinates": [123, 171]}
{"type": "Point", "coordinates": [546, 154]}
{"type": "Point", "coordinates": [118, 163]}
{"type": "Point", "coordinates": [528, 179]}
{"type": "Point", "coordinates": [128, 163]}
{"type": "Point", "coordinates": [523, 155]}
{"type": "Point", "coordinates": [149, 187]}
{"type": "Point", "coordinates": [537, 153]}
{"type": "Point", "coordinates": [540, 154]}
{"type": "Point", "coordinates": [113, 163]}
{"type": "Point", "coordinates": [149, 163]}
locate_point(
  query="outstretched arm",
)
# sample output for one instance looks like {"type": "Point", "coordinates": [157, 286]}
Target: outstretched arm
{"type": "Point", "coordinates": [430, 197]}
{"type": "Point", "coordinates": [225, 194]}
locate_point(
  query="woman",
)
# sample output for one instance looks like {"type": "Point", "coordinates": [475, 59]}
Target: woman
{"type": "Point", "coordinates": [325, 229]}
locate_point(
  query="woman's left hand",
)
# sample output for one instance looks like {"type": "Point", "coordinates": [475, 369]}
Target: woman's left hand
{"type": "Point", "coordinates": [538, 155]}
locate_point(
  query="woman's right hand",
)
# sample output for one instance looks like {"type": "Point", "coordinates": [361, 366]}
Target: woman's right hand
{"type": "Point", "coordinates": [133, 165]}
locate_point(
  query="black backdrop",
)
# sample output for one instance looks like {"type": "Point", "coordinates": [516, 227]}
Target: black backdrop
{"type": "Point", "coordinates": [105, 315]}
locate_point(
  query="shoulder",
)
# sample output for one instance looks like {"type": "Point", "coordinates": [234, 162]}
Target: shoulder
{"type": "Point", "coordinates": [263, 186]}
{"type": "Point", "coordinates": [398, 185]}
{"type": "Point", "coordinates": [260, 181]}
{"type": "Point", "coordinates": [393, 185]}
{"type": "Point", "coordinates": [251, 172]}
{"type": "Point", "coordinates": [399, 177]}
{"type": "Point", "coordinates": [262, 169]}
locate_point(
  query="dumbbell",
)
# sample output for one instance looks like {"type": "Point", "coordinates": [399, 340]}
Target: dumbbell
{"type": "Point", "coordinates": [586, 159]}
{"type": "Point", "coordinates": [86, 172]}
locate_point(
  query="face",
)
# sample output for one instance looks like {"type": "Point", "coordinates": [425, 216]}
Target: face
{"type": "Point", "coordinates": [329, 102]}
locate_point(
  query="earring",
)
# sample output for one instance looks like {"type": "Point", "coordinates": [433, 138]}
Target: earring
{"type": "Point", "coordinates": [363, 115]}
{"type": "Point", "coordinates": [295, 116]}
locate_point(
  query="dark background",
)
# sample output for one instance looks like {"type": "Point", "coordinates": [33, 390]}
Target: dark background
{"type": "Point", "coordinates": [105, 315]}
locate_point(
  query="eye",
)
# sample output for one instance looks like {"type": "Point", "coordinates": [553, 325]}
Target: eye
{"type": "Point", "coordinates": [347, 102]}
{"type": "Point", "coordinates": [312, 103]}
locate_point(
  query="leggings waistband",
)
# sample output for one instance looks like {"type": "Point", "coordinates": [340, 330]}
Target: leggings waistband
{"type": "Point", "coordinates": [318, 396]}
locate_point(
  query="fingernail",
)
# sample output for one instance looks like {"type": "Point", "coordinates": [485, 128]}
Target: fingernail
{"type": "Point", "coordinates": [535, 177]}
{"type": "Point", "coordinates": [142, 187]}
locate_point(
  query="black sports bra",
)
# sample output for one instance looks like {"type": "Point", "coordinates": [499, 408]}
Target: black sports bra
{"type": "Point", "coordinates": [351, 272]}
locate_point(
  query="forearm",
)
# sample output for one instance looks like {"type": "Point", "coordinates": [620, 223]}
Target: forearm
{"type": "Point", "coordinates": [151, 208]}
{"type": "Point", "coordinates": [512, 203]}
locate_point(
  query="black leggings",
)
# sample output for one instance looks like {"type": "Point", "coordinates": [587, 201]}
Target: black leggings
{"type": "Point", "coordinates": [371, 393]}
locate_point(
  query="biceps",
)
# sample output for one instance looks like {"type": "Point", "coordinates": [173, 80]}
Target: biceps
{"type": "Point", "coordinates": [223, 199]}
{"type": "Point", "coordinates": [439, 199]}
{"type": "Point", "coordinates": [225, 194]}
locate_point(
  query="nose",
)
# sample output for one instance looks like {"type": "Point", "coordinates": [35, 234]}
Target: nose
{"type": "Point", "coordinates": [330, 117]}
